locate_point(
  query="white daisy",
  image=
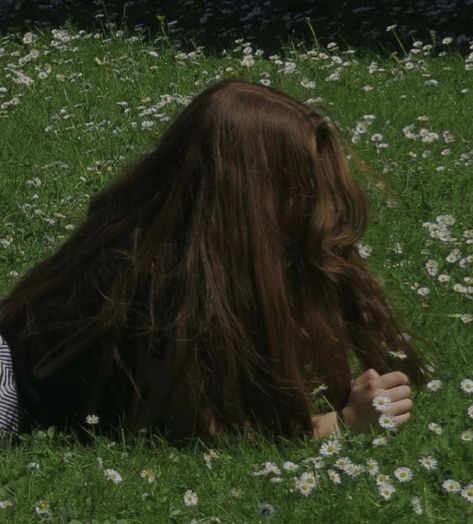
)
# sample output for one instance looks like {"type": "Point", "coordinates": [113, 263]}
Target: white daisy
{"type": "Point", "coordinates": [398, 353]}
{"type": "Point", "coordinates": [306, 483]}
{"type": "Point", "coordinates": [467, 435]}
{"type": "Point", "coordinates": [381, 402]}
{"type": "Point", "coordinates": [470, 411]}
{"type": "Point", "coordinates": [271, 467]}
{"type": "Point", "coordinates": [353, 470]}
{"type": "Point", "coordinates": [379, 441]}
{"type": "Point", "coordinates": [397, 248]}
{"type": "Point", "coordinates": [190, 498]}
{"type": "Point", "coordinates": [29, 38]}
{"type": "Point", "coordinates": [454, 256]}
{"type": "Point", "coordinates": [113, 475]}
{"type": "Point", "coordinates": [268, 467]}
{"type": "Point", "coordinates": [372, 467]}
{"type": "Point", "coordinates": [236, 493]}
{"type": "Point", "coordinates": [266, 510]}
{"type": "Point", "coordinates": [334, 476]}
{"type": "Point", "coordinates": [364, 250]}
{"type": "Point", "coordinates": [416, 505]}
{"type": "Point", "coordinates": [308, 476]}
{"type": "Point", "coordinates": [92, 419]}
{"type": "Point", "coordinates": [381, 477]}
{"type": "Point", "coordinates": [452, 486]}
{"type": "Point", "coordinates": [387, 422]}
{"type": "Point", "coordinates": [342, 463]}
{"type": "Point", "coordinates": [434, 385]}
{"type": "Point", "coordinates": [304, 488]}
{"type": "Point", "coordinates": [432, 267]}
{"type": "Point", "coordinates": [42, 508]}
{"type": "Point", "coordinates": [209, 456]}
{"type": "Point", "coordinates": [428, 462]}
{"type": "Point", "coordinates": [467, 492]}
{"type": "Point", "coordinates": [386, 490]}
{"type": "Point", "coordinates": [435, 428]}
{"type": "Point", "coordinates": [403, 474]}
{"type": "Point", "coordinates": [423, 291]}
{"type": "Point", "coordinates": [466, 385]}
{"type": "Point", "coordinates": [290, 466]}
{"type": "Point", "coordinates": [330, 447]}
{"type": "Point", "coordinates": [149, 475]}
{"type": "Point", "coordinates": [317, 462]}
{"type": "Point", "coordinates": [318, 389]}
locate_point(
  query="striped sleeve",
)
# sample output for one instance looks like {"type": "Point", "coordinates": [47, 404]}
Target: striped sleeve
{"type": "Point", "coordinates": [9, 406]}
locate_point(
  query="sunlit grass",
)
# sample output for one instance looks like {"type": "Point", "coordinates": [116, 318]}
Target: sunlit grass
{"type": "Point", "coordinates": [74, 108]}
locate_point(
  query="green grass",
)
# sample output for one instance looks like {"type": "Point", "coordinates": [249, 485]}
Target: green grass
{"type": "Point", "coordinates": [67, 137]}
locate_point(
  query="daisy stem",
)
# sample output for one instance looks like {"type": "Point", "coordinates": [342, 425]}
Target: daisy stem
{"type": "Point", "coordinates": [399, 42]}
{"type": "Point", "coordinates": [313, 33]}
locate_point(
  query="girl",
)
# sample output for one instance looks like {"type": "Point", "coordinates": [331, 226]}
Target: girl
{"type": "Point", "coordinates": [211, 287]}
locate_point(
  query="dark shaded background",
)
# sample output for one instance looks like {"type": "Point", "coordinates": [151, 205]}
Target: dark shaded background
{"type": "Point", "coordinates": [267, 24]}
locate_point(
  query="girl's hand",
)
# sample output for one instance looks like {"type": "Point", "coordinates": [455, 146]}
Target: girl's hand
{"type": "Point", "coordinates": [359, 411]}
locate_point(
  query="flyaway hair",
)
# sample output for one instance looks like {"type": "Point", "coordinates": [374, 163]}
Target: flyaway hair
{"type": "Point", "coordinates": [218, 273]}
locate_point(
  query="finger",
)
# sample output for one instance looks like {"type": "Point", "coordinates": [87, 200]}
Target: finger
{"type": "Point", "coordinates": [403, 418]}
{"type": "Point", "coordinates": [367, 375]}
{"type": "Point", "coordinates": [397, 393]}
{"type": "Point", "coordinates": [394, 378]}
{"type": "Point", "coordinates": [399, 408]}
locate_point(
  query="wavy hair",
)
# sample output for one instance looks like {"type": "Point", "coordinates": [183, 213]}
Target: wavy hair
{"type": "Point", "coordinates": [217, 274]}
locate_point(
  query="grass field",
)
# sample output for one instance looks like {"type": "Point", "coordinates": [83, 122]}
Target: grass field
{"type": "Point", "coordinates": [75, 107]}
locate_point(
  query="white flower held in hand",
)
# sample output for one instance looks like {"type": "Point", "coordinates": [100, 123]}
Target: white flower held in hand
{"type": "Point", "coordinates": [387, 422]}
{"type": "Point", "coordinates": [381, 402]}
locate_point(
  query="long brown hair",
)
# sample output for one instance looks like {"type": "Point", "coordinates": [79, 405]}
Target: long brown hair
{"type": "Point", "coordinates": [218, 273]}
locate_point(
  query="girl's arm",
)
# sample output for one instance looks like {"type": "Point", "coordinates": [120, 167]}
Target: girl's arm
{"type": "Point", "coordinates": [325, 424]}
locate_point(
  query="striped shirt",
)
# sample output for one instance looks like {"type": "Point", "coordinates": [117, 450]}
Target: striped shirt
{"type": "Point", "coordinates": [9, 406]}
